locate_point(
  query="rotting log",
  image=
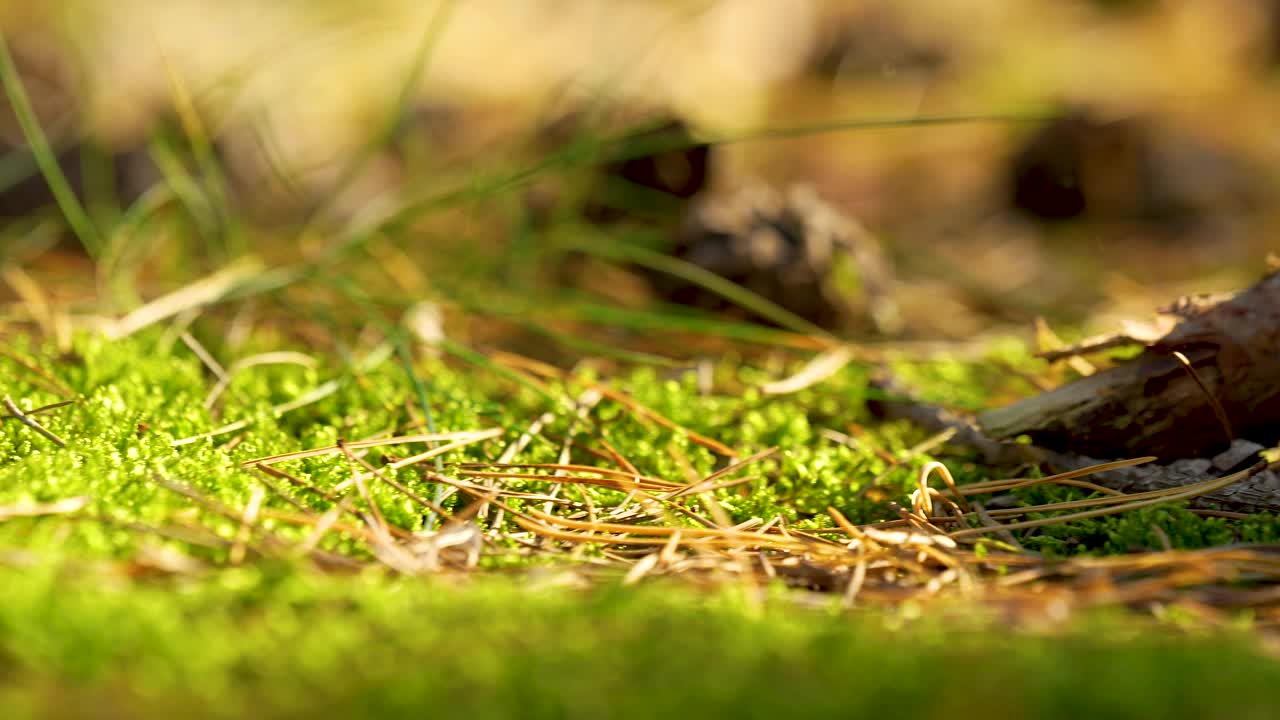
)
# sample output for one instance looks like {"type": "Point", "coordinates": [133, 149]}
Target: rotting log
{"type": "Point", "coordinates": [1155, 404]}
{"type": "Point", "coordinates": [1203, 418]}
{"type": "Point", "coordinates": [1255, 494]}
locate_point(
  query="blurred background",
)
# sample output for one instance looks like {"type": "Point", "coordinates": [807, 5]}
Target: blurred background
{"type": "Point", "coordinates": [933, 169]}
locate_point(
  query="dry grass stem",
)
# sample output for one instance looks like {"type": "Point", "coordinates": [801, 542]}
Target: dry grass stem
{"type": "Point", "coordinates": [465, 435]}
{"type": "Point", "coordinates": [199, 294]}
{"type": "Point", "coordinates": [65, 506]}
{"type": "Point", "coordinates": [821, 367]}
{"type": "Point", "coordinates": [641, 411]}
{"type": "Point", "coordinates": [16, 413]}
{"type": "Point", "coordinates": [316, 394]}
{"type": "Point", "coordinates": [1218, 411]}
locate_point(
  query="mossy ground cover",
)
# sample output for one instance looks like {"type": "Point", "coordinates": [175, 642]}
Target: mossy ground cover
{"type": "Point", "coordinates": [147, 571]}
{"type": "Point", "coordinates": [99, 614]}
{"type": "Point", "coordinates": [279, 642]}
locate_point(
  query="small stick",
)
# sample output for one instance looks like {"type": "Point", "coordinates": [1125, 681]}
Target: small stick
{"type": "Point", "coordinates": [205, 356]}
{"type": "Point", "coordinates": [41, 410]}
{"type": "Point", "coordinates": [378, 522]}
{"type": "Point", "coordinates": [250, 516]}
{"type": "Point", "coordinates": [429, 505]}
{"type": "Point", "coordinates": [16, 412]}
{"type": "Point", "coordinates": [648, 413]}
{"type": "Point", "coordinates": [58, 507]}
{"type": "Point", "coordinates": [205, 291]}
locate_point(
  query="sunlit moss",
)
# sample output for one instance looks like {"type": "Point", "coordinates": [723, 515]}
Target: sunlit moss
{"type": "Point", "coordinates": [275, 641]}
{"type": "Point", "coordinates": [275, 637]}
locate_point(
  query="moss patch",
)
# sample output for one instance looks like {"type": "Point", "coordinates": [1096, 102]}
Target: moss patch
{"type": "Point", "coordinates": [85, 625]}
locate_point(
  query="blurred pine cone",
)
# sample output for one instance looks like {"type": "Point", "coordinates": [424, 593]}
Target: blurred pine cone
{"type": "Point", "coordinates": [1131, 169]}
{"type": "Point", "coordinates": [787, 249]}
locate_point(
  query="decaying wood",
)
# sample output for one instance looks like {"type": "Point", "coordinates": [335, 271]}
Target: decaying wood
{"type": "Point", "coordinates": [1259, 493]}
{"type": "Point", "coordinates": [1155, 404]}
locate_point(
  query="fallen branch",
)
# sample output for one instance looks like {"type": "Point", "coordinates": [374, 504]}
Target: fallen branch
{"type": "Point", "coordinates": [1260, 492]}
{"type": "Point", "coordinates": [1212, 378]}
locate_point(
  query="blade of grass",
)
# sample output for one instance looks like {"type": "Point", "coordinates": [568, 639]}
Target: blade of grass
{"type": "Point", "coordinates": [822, 128]}
{"type": "Point", "coordinates": [186, 186]}
{"type": "Point", "coordinates": [122, 258]}
{"type": "Point", "coordinates": [398, 338]}
{"type": "Point", "coordinates": [594, 244]}
{"type": "Point", "coordinates": [212, 179]}
{"type": "Point", "coordinates": [363, 230]}
{"type": "Point", "coordinates": [420, 391]}
{"type": "Point", "coordinates": [70, 206]}
{"type": "Point", "coordinates": [573, 306]}
{"type": "Point", "coordinates": [384, 135]}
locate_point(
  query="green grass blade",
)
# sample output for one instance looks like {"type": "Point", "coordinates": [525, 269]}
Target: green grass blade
{"type": "Point", "coordinates": [385, 134]}
{"type": "Point", "coordinates": [686, 322]}
{"type": "Point", "coordinates": [778, 133]}
{"type": "Point", "coordinates": [71, 208]}
{"type": "Point", "coordinates": [122, 257]}
{"type": "Point", "coordinates": [608, 249]}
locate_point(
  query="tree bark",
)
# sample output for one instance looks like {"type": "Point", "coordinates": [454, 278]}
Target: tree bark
{"type": "Point", "coordinates": [1259, 493]}
{"type": "Point", "coordinates": [1154, 405]}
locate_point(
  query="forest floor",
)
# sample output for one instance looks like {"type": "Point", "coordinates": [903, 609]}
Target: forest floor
{"type": "Point", "coordinates": [437, 426]}
{"type": "Point", "coordinates": [240, 523]}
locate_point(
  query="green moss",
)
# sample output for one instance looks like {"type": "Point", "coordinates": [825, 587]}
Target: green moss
{"type": "Point", "coordinates": [137, 396]}
{"type": "Point", "coordinates": [367, 646]}
{"type": "Point", "coordinates": [1152, 528]}
{"type": "Point", "coordinates": [77, 631]}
